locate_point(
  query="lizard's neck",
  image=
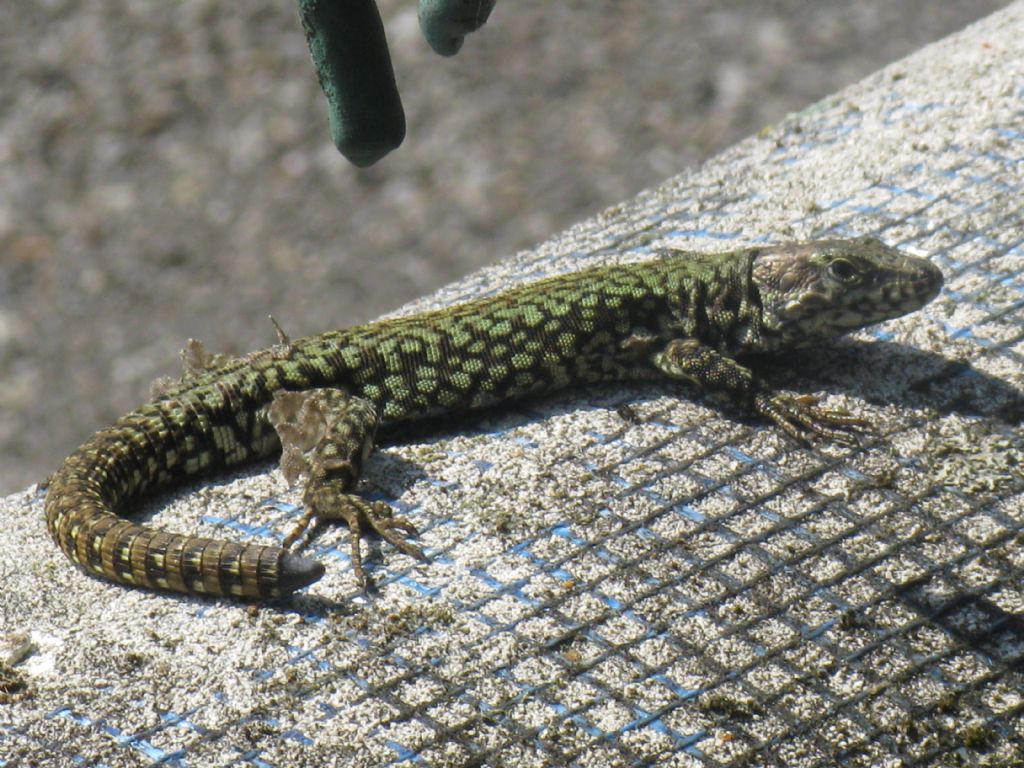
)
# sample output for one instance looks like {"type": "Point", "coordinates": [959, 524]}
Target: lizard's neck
{"type": "Point", "coordinates": [717, 302]}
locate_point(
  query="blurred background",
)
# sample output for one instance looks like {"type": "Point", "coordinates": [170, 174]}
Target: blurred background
{"type": "Point", "coordinates": [166, 169]}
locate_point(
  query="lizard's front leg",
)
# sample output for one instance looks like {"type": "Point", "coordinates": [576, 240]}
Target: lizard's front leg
{"type": "Point", "coordinates": [799, 417]}
{"type": "Point", "coordinates": [326, 436]}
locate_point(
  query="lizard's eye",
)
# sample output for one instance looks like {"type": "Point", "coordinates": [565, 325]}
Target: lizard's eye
{"type": "Point", "coordinates": [842, 270]}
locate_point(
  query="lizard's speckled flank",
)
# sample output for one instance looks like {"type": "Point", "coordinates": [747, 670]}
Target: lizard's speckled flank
{"type": "Point", "coordinates": [685, 316]}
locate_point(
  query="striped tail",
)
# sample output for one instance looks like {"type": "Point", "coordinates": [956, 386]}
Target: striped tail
{"type": "Point", "coordinates": [144, 450]}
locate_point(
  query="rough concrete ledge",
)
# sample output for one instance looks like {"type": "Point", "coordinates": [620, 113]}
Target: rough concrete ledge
{"type": "Point", "coordinates": [676, 589]}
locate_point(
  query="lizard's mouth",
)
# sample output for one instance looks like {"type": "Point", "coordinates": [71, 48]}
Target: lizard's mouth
{"type": "Point", "coordinates": [922, 286]}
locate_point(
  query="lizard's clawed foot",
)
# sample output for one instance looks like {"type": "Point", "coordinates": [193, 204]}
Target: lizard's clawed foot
{"type": "Point", "coordinates": [803, 419]}
{"type": "Point", "coordinates": [324, 501]}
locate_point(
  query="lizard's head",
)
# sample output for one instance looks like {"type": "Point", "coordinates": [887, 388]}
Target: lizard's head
{"type": "Point", "coordinates": [819, 289]}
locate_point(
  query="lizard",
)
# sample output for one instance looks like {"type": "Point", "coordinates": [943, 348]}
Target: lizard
{"type": "Point", "coordinates": [701, 318]}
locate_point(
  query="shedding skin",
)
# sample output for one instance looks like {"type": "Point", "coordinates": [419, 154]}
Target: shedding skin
{"type": "Point", "coordinates": [319, 400]}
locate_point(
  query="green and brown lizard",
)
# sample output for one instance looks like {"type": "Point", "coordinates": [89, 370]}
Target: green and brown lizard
{"type": "Point", "coordinates": [685, 316]}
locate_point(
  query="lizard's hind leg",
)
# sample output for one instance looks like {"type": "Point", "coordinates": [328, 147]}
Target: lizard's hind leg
{"type": "Point", "coordinates": [326, 437]}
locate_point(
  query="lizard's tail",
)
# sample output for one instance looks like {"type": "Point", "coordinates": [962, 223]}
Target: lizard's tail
{"type": "Point", "coordinates": [146, 449]}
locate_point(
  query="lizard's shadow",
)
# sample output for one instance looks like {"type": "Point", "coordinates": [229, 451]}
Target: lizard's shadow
{"type": "Point", "coordinates": [887, 373]}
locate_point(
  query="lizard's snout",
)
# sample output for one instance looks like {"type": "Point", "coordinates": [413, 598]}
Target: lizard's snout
{"type": "Point", "coordinates": [923, 282]}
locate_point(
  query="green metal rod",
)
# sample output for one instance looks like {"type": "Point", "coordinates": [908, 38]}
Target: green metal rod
{"type": "Point", "coordinates": [350, 53]}
{"type": "Point", "coordinates": [445, 23]}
